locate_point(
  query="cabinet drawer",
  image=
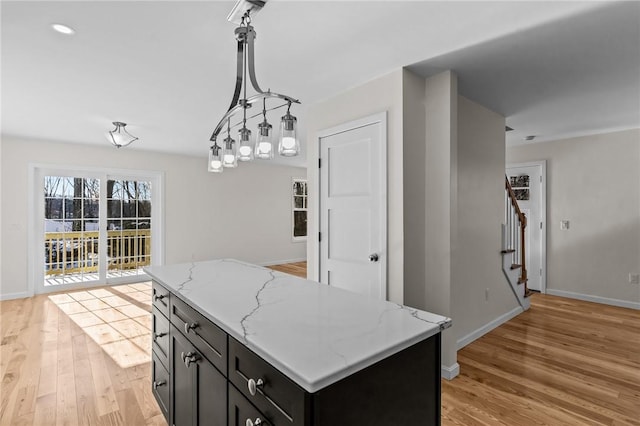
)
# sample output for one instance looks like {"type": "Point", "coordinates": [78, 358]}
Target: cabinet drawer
{"type": "Point", "coordinates": [160, 386]}
{"type": "Point", "coordinates": [241, 412]}
{"type": "Point", "coordinates": [275, 395]}
{"type": "Point", "coordinates": [205, 335]}
{"type": "Point", "coordinates": [160, 336]}
{"type": "Point", "coordinates": [160, 297]}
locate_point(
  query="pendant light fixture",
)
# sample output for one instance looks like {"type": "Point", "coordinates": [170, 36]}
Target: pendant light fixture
{"type": "Point", "coordinates": [215, 159]}
{"type": "Point", "coordinates": [119, 136]}
{"type": "Point", "coordinates": [229, 155]}
{"type": "Point", "coordinates": [262, 147]}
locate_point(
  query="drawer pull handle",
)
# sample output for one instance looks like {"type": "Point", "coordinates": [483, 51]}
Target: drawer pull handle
{"type": "Point", "coordinates": [253, 386]}
{"type": "Point", "coordinates": [191, 326]}
{"type": "Point", "coordinates": [159, 297]}
{"type": "Point", "coordinates": [256, 422]}
{"type": "Point", "coordinates": [189, 358]}
{"type": "Point", "coordinates": [160, 383]}
{"type": "Point", "coordinates": [156, 336]}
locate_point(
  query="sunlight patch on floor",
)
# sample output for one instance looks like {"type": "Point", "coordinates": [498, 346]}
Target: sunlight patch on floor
{"type": "Point", "coordinates": [117, 318]}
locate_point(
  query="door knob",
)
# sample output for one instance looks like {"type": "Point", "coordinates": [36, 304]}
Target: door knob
{"type": "Point", "coordinates": [373, 257]}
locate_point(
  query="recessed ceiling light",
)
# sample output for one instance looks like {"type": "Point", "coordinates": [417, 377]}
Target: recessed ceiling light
{"type": "Point", "coordinates": [63, 29]}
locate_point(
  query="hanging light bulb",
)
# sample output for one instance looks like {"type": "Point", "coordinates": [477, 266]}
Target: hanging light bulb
{"type": "Point", "coordinates": [264, 146]}
{"type": "Point", "coordinates": [229, 157]}
{"type": "Point", "coordinates": [289, 146]}
{"type": "Point", "coordinates": [215, 159]}
{"type": "Point", "coordinates": [245, 151]}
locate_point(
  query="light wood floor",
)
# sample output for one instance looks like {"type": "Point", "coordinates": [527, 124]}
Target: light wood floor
{"type": "Point", "coordinates": [82, 358]}
{"type": "Point", "coordinates": [298, 268]}
{"type": "Point", "coordinates": [563, 362]}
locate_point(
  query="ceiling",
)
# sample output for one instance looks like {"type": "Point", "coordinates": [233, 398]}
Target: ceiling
{"type": "Point", "coordinates": [167, 68]}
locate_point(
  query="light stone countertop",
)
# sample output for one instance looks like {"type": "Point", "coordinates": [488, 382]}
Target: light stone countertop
{"type": "Point", "coordinates": [314, 334]}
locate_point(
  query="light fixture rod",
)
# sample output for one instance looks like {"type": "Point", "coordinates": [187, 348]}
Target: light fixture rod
{"type": "Point", "coordinates": [233, 126]}
{"type": "Point", "coordinates": [251, 100]}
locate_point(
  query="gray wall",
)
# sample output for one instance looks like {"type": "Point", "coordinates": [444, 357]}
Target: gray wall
{"type": "Point", "coordinates": [202, 210]}
{"type": "Point", "coordinates": [594, 182]}
{"type": "Point", "coordinates": [476, 260]}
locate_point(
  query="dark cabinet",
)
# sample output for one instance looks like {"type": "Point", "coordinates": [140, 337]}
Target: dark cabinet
{"type": "Point", "coordinates": [202, 376]}
{"type": "Point", "coordinates": [160, 385]}
{"type": "Point", "coordinates": [199, 389]}
{"type": "Point", "coordinates": [275, 395]}
{"type": "Point", "coordinates": [242, 413]}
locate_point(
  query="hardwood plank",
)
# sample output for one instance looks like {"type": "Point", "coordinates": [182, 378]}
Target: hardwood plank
{"type": "Point", "coordinates": [298, 269]}
{"type": "Point", "coordinates": [563, 362]}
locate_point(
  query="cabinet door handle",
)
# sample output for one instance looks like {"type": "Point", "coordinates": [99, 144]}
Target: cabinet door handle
{"type": "Point", "coordinates": [158, 335]}
{"type": "Point", "coordinates": [189, 358]}
{"type": "Point", "coordinates": [253, 385]}
{"type": "Point", "coordinates": [191, 326]}
{"type": "Point", "coordinates": [159, 297]}
{"type": "Point", "coordinates": [160, 383]}
{"type": "Point", "coordinates": [255, 422]}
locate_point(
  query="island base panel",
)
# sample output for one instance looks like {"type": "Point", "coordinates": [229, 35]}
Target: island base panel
{"type": "Point", "coordinates": [402, 390]}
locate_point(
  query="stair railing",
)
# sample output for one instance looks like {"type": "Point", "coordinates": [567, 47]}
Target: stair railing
{"type": "Point", "coordinates": [516, 222]}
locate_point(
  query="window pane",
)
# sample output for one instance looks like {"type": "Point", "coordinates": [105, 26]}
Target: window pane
{"type": "Point", "coordinates": [53, 186]}
{"type": "Point", "coordinates": [129, 224]}
{"type": "Point", "coordinates": [144, 208]}
{"type": "Point", "coordinates": [128, 209]}
{"type": "Point", "coordinates": [114, 208]}
{"type": "Point", "coordinates": [298, 202]}
{"type": "Point", "coordinates": [92, 189]}
{"type": "Point", "coordinates": [144, 190]}
{"type": "Point", "coordinates": [67, 186]}
{"type": "Point", "coordinates": [114, 189]}
{"type": "Point", "coordinates": [53, 208]}
{"type": "Point", "coordinates": [300, 224]}
{"type": "Point", "coordinates": [91, 208]}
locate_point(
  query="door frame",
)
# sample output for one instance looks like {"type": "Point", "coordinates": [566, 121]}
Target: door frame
{"type": "Point", "coordinates": [543, 215]}
{"type": "Point", "coordinates": [381, 119]}
{"type": "Point", "coordinates": [35, 248]}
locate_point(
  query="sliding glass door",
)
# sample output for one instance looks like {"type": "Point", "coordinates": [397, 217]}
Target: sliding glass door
{"type": "Point", "coordinates": [94, 228]}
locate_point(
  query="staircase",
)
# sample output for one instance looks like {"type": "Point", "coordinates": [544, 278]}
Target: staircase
{"type": "Point", "coordinates": [513, 247]}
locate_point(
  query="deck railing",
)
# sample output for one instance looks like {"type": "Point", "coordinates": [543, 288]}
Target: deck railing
{"type": "Point", "coordinates": [77, 252]}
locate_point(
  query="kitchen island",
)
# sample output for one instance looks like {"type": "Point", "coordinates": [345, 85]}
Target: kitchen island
{"type": "Point", "coordinates": [239, 344]}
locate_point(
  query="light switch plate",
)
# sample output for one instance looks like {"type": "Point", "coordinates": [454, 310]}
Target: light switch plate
{"type": "Point", "coordinates": [564, 225]}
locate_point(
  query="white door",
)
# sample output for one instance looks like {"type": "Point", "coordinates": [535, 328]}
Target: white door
{"type": "Point", "coordinates": [353, 224]}
{"type": "Point", "coordinates": [528, 183]}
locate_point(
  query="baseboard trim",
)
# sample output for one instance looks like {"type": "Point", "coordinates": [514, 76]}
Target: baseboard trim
{"type": "Point", "coordinates": [11, 296]}
{"type": "Point", "coordinates": [282, 262]}
{"type": "Point", "coordinates": [449, 372]}
{"type": "Point", "coordinates": [595, 299]}
{"type": "Point", "coordinates": [474, 335]}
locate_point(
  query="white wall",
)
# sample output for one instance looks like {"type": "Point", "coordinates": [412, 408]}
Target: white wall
{"type": "Point", "coordinates": [430, 195]}
{"type": "Point", "coordinates": [243, 213]}
{"type": "Point", "coordinates": [453, 209]}
{"type": "Point", "coordinates": [382, 94]}
{"type": "Point", "coordinates": [476, 264]}
{"type": "Point", "coordinates": [594, 183]}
